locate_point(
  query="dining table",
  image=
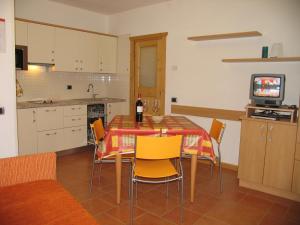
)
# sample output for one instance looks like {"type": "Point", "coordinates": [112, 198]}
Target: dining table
{"type": "Point", "coordinates": [120, 140]}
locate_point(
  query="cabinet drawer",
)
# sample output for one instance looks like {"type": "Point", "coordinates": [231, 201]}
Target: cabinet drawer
{"type": "Point", "coordinates": [74, 121]}
{"type": "Point", "coordinates": [49, 118]}
{"type": "Point", "coordinates": [50, 141]}
{"type": "Point", "coordinates": [75, 110]}
{"type": "Point", "coordinates": [75, 137]}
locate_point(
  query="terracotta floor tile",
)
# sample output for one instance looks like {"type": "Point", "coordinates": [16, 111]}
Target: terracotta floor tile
{"type": "Point", "coordinates": [105, 218]}
{"type": "Point", "coordinates": [209, 221]}
{"type": "Point", "coordinates": [148, 219]}
{"type": "Point", "coordinates": [234, 206]}
{"type": "Point", "coordinates": [189, 217]}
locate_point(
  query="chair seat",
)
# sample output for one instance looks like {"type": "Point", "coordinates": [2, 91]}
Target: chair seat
{"type": "Point", "coordinates": [154, 168]}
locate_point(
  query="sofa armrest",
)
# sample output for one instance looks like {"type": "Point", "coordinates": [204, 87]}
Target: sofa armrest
{"type": "Point", "coordinates": [22, 169]}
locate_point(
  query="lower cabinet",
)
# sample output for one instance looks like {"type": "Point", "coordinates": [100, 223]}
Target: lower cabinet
{"type": "Point", "coordinates": [50, 129]}
{"type": "Point", "coordinates": [267, 155]}
{"type": "Point", "coordinates": [75, 137]}
{"type": "Point", "coordinates": [113, 109]}
{"type": "Point", "coordinates": [50, 141]}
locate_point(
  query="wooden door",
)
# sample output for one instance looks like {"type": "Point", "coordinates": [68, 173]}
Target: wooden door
{"type": "Point", "coordinates": [40, 43]}
{"type": "Point", "coordinates": [279, 161]}
{"type": "Point", "coordinates": [147, 68]}
{"type": "Point", "coordinates": [252, 151]}
{"type": "Point", "coordinates": [296, 179]}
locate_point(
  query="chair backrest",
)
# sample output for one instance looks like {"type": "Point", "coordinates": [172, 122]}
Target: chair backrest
{"type": "Point", "coordinates": [216, 130]}
{"type": "Point", "coordinates": [150, 147]}
{"type": "Point", "coordinates": [97, 130]}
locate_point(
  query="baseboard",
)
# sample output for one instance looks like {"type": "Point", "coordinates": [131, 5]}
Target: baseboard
{"type": "Point", "coordinates": [270, 190]}
{"type": "Point", "coordinates": [224, 165]}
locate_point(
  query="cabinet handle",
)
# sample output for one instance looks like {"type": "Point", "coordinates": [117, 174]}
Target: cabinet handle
{"type": "Point", "coordinates": [76, 60]}
{"type": "Point", "coordinates": [52, 60]}
{"type": "Point", "coordinates": [76, 130]}
{"type": "Point", "coordinates": [33, 116]}
{"type": "Point", "coordinates": [52, 51]}
{"type": "Point", "coordinates": [48, 110]}
{"type": "Point", "coordinates": [75, 119]}
{"type": "Point", "coordinates": [270, 133]}
{"type": "Point", "coordinates": [49, 134]}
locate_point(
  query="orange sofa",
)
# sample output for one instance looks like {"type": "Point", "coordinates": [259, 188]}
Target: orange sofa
{"type": "Point", "coordinates": [30, 194]}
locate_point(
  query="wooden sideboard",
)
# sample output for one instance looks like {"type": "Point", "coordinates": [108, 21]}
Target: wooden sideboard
{"type": "Point", "coordinates": [269, 159]}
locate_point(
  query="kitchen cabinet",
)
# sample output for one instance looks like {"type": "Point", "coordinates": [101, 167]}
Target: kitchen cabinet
{"type": "Point", "coordinates": [107, 54]}
{"type": "Point", "coordinates": [113, 109]}
{"type": "Point", "coordinates": [50, 140]}
{"type": "Point", "coordinates": [252, 151]}
{"type": "Point", "coordinates": [21, 33]}
{"type": "Point", "coordinates": [75, 51]}
{"type": "Point", "coordinates": [75, 137]}
{"type": "Point", "coordinates": [27, 128]}
{"type": "Point", "coordinates": [40, 43]}
{"type": "Point", "coordinates": [267, 151]}
{"type": "Point", "coordinates": [49, 118]}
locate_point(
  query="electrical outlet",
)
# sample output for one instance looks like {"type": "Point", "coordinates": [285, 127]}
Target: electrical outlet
{"type": "Point", "coordinates": [69, 87]}
{"type": "Point", "coordinates": [174, 99]}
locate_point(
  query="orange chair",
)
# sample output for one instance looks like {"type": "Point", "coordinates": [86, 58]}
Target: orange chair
{"type": "Point", "coordinates": [98, 134]}
{"type": "Point", "coordinates": [216, 132]}
{"type": "Point", "coordinates": [152, 163]}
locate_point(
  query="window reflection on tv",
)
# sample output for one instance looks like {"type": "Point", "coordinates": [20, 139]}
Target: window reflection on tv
{"type": "Point", "coordinates": [266, 87]}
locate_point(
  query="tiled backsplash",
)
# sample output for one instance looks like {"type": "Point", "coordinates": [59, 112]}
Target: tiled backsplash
{"type": "Point", "coordinates": [38, 82]}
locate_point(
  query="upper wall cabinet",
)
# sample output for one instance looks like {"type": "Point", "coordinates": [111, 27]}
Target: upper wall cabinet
{"type": "Point", "coordinates": [40, 43]}
{"type": "Point", "coordinates": [75, 51]}
{"type": "Point", "coordinates": [108, 54]}
{"type": "Point", "coordinates": [21, 33]}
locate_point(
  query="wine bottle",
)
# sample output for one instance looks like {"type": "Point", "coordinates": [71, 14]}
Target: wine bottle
{"type": "Point", "coordinates": [139, 109]}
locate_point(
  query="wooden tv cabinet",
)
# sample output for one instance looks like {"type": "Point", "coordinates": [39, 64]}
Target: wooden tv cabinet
{"type": "Point", "coordinates": [268, 160]}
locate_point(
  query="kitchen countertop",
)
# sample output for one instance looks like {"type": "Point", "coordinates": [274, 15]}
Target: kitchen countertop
{"type": "Point", "coordinates": [82, 101]}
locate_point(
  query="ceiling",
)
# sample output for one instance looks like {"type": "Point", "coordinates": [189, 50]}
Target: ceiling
{"type": "Point", "coordinates": [109, 6]}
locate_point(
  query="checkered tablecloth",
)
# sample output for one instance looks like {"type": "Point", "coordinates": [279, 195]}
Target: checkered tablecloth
{"type": "Point", "coordinates": [121, 132]}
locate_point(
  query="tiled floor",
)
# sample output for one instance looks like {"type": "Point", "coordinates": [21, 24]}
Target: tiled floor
{"type": "Point", "coordinates": [235, 206]}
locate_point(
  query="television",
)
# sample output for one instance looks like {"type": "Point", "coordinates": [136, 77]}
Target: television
{"type": "Point", "coordinates": [267, 89]}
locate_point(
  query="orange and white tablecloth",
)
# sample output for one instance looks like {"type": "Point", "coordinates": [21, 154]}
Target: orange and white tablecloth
{"type": "Point", "coordinates": [121, 132]}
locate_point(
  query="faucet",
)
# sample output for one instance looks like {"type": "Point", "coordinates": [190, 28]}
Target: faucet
{"type": "Point", "coordinates": [91, 87]}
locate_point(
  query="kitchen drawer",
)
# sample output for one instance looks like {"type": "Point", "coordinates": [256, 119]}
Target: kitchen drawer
{"type": "Point", "coordinates": [75, 110]}
{"type": "Point", "coordinates": [49, 118]}
{"type": "Point", "coordinates": [51, 141]}
{"type": "Point", "coordinates": [74, 121]}
{"type": "Point", "coordinates": [75, 137]}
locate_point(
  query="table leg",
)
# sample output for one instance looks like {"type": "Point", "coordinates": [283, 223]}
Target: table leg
{"type": "Point", "coordinates": [118, 176]}
{"type": "Point", "coordinates": [193, 175]}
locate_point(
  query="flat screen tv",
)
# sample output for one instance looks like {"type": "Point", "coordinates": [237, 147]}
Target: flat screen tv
{"type": "Point", "coordinates": [267, 89]}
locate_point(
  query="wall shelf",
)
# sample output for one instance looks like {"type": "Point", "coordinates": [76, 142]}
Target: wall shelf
{"type": "Point", "coordinates": [275, 59]}
{"type": "Point", "coordinates": [225, 36]}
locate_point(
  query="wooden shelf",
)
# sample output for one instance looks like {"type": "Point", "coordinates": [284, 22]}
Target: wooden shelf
{"type": "Point", "coordinates": [275, 59]}
{"type": "Point", "coordinates": [225, 36]}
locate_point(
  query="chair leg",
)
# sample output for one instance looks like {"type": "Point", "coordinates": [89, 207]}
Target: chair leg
{"type": "Point", "coordinates": [92, 172]}
{"type": "Point", "coordinates": [131, 201]}
{"type": "Point", "coordinates": [181, 201]}
{"type": "Point", "coordinates": [167, 191]}
{"type": "Point", "coordinates": [99, 171]}
{"type": "Point", "coordinates": [220, 170]}
{"type": "Point", "coordinates": [211, 169]}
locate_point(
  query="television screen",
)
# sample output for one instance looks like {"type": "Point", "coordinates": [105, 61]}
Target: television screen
{"type": "Point", "coordinates": [266, 86]}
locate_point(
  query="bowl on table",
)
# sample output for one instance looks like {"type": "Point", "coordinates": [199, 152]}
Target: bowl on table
{"type": "Point", "coordinates": [157, 119]}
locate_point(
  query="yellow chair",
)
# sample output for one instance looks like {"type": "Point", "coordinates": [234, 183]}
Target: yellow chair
{"type": "Point", "coordinates": [152, 163]}
{"type": "Point", "coordinates": [216, 132]}
{"type": "Point", "coordinates": [98, 134]}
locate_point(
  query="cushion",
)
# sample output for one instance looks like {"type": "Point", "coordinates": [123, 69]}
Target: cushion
{"type": "Point", "coordinates": [41, 202]}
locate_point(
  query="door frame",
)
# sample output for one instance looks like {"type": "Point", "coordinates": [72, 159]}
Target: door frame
{"type": "Point", "coordinates": [133, 40]}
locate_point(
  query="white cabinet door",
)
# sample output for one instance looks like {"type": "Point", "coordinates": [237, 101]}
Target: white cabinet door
{"type": "Point", "coordinates": [112, 110]}
{"type": "Point", "coordinates": [75, 137]}
{"type": "Point", "coordinates": [21, 32]}
{"type": "Point", "coordinates": [49, 118]}
{"type": "Point", "coordinates": [108, 54]}
{"type": "Point", "coordinates": [50, 140]}
{"type": "Point", "coordinates": [88, 52]}
{"type": "Point", "coordinates": [40, 43]}
{"type": "Point", "coordinates": [74, 121]}
{"type": "Point", "coordinates": [27, 136]}
{"type": "Point", "coordinates": [75, 110]}
{"type": "Point", "coordinates": [66, 50]}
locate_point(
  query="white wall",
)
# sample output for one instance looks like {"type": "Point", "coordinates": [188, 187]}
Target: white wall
{"type": "Point", "coordinates": [8, 131]}
{"type": "Point", "coordinates": [60, 14]}
{"type": "Point", "coordinates": [203, 79]}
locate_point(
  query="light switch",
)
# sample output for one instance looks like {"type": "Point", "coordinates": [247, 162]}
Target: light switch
{"type": "Point", "coordinates": [1, 110]}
